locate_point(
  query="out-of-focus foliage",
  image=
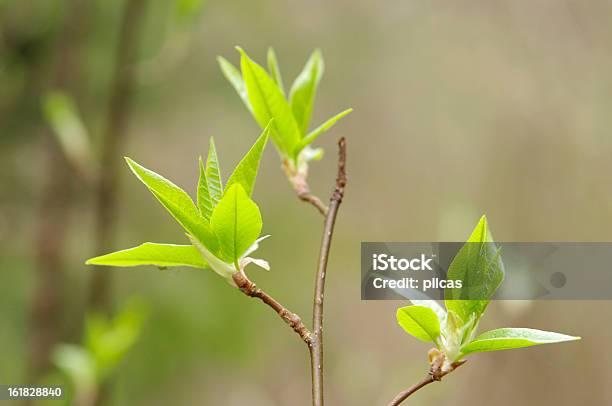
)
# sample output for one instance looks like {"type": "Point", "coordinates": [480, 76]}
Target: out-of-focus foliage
{"type": "Point", "coordinates": [106, 343]}
{"type": "Point", "coordinates": [62, 115]}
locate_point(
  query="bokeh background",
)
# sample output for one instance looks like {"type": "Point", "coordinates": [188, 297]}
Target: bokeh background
{"type": "Point", "coordinates": [461, 108]}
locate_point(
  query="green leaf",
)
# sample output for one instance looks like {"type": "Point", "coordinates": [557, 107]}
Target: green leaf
{"type": "Point", "coordinates": [269, 103]}
{"type": "Point", "coordinates": [509, 338]}
{"type": "Point", "coordinates": [420, 322]}
{"type": "Point", "coordinates": [213, 174]}
{"type": "Point", "coordinates": [237, 223]}
{"type": "Point", "coordinates": [479, 266]}
{"type": "Point", "coordinates": [246, 170]}
{"type": "Point", "coordinates": [275, 70]}
{"type": "Point", "coordinates": [205, 203]}
{"type": "Point", "coordinates": [433, 305]}
{"type": "Point", "coordinates": [178, 203]}
{"type": "Point", "coordinates": [153, 254]}
{"type": "Point", "coordinates": [314, 134]}
{"type": "Point", "coordinates": [304, 89]}
{"type": "Point", "coordinates": [232, 74]}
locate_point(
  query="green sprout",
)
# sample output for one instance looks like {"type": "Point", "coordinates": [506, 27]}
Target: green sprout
{"type": "Point", "coordinates": [263, 94]}
{"type": "Point", "coordinates": [223, 226]}
{"type": "Point", "coordinates": [453, 330]}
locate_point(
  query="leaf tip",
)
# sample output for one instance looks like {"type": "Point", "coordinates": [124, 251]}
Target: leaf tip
{"type": "Point", "coordinates": [95, 261]}
{"type": "Point", "coordinates": [269, 125]}
{"type": "Point", "coordinates": [211, 143]}
{"type": "Point", "coordinates": [221, 60]}
{"type": "Point", "coordinates": [483, 223]}
{"type": "Point", "coordinates": [131, 163]}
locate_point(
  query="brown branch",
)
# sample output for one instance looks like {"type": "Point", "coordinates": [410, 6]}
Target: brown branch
{"type": "Point", "coordinates": [435, 374]}
{"type": "Point", "coordinates": [114, 136]}
{"type": "Point", "coordinates": [293, 320]}
{"type": "Point", "coordinates": [316, 348]}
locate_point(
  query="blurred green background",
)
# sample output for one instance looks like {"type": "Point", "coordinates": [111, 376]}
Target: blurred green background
{"type": "Point", "coordinates": [461, 108]}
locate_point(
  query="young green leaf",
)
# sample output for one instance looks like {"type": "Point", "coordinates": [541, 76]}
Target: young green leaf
{"type": "Point", "coordinates": [433, 305]}
{"type": "Point", "coordinates": [232, 74]}
{"type": "Point", "coordinates": [314, 134]}
{"type": "Point", "coordinates": [205, 203]}
{"type": "Point", "coordinates": [275, 70]}
{"type": "Point", "coordinates": [509, 338]}
{"type": "Point", "coordinates": [420, 322]}
{"type": "Point", "coordinates": [246, 171]}
{"type": "Point", "coordinates": [237, 223]}
{"type": "Point", "coordinates": [269, 103]}
{"type": "Point", "coordinates": [304, 89]}
{"type": "Point", "coordinates": [213, 174]}
{"type": "Point", "coordinates": [153, 254]}
{"type": "Point", "coordinates": [177, 202]}
{"type": "Point", "coordinates": [479, 266]}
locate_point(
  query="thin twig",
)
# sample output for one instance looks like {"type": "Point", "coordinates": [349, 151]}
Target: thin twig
{"type": "Point", "coordinates": [435, 374]}
{"type": "Point", "coordinates": [116, 128]}
{"type": "Point", "coordinates": [314, 339]}
{"type": "Point", "coordinates": [294, 321]}
{"type": "Point", "coordinates": [316, 348]}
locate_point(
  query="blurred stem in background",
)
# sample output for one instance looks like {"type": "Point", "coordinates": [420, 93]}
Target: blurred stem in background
{"type": "Point", "coordinates": [113, 139]}
{"type": "Point", "coordinates": [54, 210]}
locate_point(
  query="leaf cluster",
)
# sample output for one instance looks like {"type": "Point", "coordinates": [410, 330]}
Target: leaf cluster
{"type": "Point", "coordinates": [223, 225]}
{"type": "Point", "coordinates": [453, 329]}
{"type": "Point", "coordinates": [263, 93]}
